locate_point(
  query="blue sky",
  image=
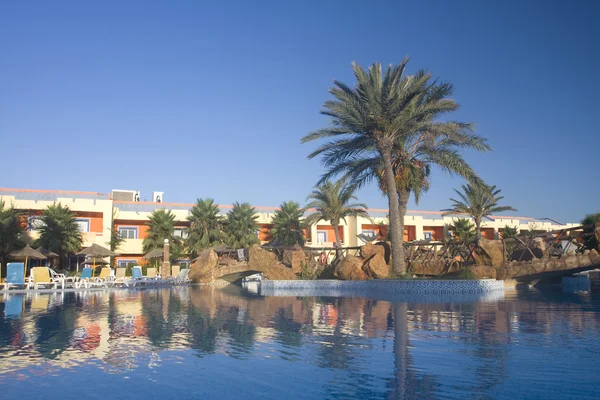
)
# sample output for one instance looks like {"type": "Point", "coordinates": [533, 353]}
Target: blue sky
{"type": "Point", "coordinates": [211, 99]}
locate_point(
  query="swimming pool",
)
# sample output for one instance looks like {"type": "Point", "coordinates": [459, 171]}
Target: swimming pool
{"type": "Point", "coordinates": [192, 342]}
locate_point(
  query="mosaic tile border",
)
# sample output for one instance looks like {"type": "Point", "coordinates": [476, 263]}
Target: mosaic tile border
{"type": "Point", "coordinates": [572, 284]}
{"type": "Point", "coordinates": [410, 290]}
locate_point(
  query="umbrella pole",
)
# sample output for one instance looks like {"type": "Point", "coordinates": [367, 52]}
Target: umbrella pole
{"type": "Point", "coordinates": [94, 270]}
{"type": "Point", "coordinates": [25, 271]}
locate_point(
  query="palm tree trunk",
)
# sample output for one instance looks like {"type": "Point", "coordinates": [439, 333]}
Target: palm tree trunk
{"type": "Point", "coordinates": [403, 196]}
{"type": "Point", "coordinates": [338, 242]}
{"type": "Point", "coordinates": [398, 265]}
{"type": "Point", "coordinates": [478, 229]}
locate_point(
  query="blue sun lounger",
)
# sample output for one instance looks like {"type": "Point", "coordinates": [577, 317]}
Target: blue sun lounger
{"type": "Point", "coordinates": [15, 276]}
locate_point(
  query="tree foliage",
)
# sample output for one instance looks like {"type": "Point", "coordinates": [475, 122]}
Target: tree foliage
{"type": "Point", "coordinates": [288, 224]}
{"type": "Point", "coordinates": [241, 226]}
{"type": "Point", "coordinates": [10, 229]}
{"type": "Point", "coordinates": [59, 232]}
{"type": "Point", "coordinates": [510, 232]}
{"type": "Point", "coordinates": [333, 203]}
{"type": "Point", "coordinates": [206, 226]}
{"type": "Point", "coordinates": [477, 200]}
{"type": "Point", "coordinates": [386, 128]}
{"type": "Point", "coordinates": [162, 226]}
{"type": "Point", "coordinates": [591, 219]}
{"type": "Point", "coordinates": [464, 230]}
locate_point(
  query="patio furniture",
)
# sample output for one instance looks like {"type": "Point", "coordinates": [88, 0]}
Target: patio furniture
{"type": "Point", "coordinates": [15, 276]}
{"type": "Point", "coordinates": [40, 276]}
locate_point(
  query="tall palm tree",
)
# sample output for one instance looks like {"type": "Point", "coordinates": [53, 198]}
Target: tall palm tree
{"type": "Point", "coordinates": [206, 226]}
{"type": "Point", "coordinates": [10, 229]}
{"type": "Point", "coordinates": [59, 232]}
{"type": "Point", "coordinates": [477, 200]}
{"type": "Point", "coordinates": [384, 128]}
{"type": "Point", "coordinates": [332, 202]}
{"type": "Point", "coordinates": [241, 226]}
{"type": "Point", "coordinates": [288, 224]}
{"type": "Point", "coordinates": [162, 226]}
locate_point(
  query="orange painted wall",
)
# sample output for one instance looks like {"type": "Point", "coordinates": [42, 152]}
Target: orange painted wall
{"type": "Point", "coordinates": [331, 232]}
{"type": "Point", "coordinates": [410, 231]}
{"type": "Point", "coordinates": [96, 219]}
{"type": "Point", "coordinates": [138, 259]}
{"type": "Point", "coordinates": [264, 232]}
{"type": "Point", "coordinates": [437, 232]}
{"type": "Point", "coordinates": [141, 225]}
{"type": "Point", "coordinates": [488, 233]}
{"type": "Point", "coordinates": [380, 230]}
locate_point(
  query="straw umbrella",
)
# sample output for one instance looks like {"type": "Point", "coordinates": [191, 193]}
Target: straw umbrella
{"type": "Point", "coordinates": [25, 254]}
{"type": "Point", "coordinates": [156, 253]}
{"type": "Point", "coordinates": [96, 250]}
{"type": "Point", "coordinates": [49, 254]}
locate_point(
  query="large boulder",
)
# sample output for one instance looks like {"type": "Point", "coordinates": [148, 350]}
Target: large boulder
{"type": "Point", "coordinates": [259, 258]}
{"type": "Point", "coordinates": [294, 259]}
{"type": "Point", "coordinates": [350, 269]}
{"type": "Point", "coordinates": [431, 267]}
{"type": "Point", "coordinates": [203, 267]}
{"type": "Point", "coordinates": [369, 250]}
{"type": "Point", "coordinates": [376, 267]}
{"type": "Point", "coordinates": [483, 272]}
{"type": "Point", "coordinates": [490, 253]}
{"type": "Point", "coordinates": [278, 272]}
{"type": "Point", "coordinates": [266, 262]}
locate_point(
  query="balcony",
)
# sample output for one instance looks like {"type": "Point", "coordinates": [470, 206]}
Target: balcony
{"type": "Point", "coordinates": [131, 246]}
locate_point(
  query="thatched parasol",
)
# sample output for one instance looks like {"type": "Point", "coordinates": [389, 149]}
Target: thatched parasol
{"type": "Point", "coordinates": [96, 250]}
{"type": "Point", "coordinates": [156, 253]}
{"type": "Point", "coordinates": [25, 254]}
{"type": "Point", "coordinates": [49, 254]}
{"type": "Point", "coordinates": [95, 262]}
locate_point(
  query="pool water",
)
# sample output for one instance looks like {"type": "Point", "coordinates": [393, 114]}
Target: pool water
{"type": "Point", "coordinates": [196, 342]}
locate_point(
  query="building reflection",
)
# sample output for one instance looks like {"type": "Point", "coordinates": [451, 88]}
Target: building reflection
{"type": "Point", "coordinates": [124, 330]}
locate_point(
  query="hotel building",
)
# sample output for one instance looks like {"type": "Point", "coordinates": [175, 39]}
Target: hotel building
{"type": "Point", "coordinates": [98, 214]}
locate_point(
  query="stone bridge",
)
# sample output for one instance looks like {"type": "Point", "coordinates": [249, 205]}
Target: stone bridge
{"type": "Point", "coordinates": [209, 267]}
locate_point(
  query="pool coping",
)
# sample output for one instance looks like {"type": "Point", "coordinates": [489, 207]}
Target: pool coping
{"type": "Point", "coordinates": [90, 289]}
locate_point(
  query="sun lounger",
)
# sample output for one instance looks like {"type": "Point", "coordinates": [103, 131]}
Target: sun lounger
{"type": "Point", "coordinates": [121, 279]}
{"type": "Point", "coordinates": [61, 279]}
{"type": "Point", "coordinates": [136, 275]}
{"type": "Point", "coordinates": [175, 269]}
{"type": "Point", "coordinates": [40, 276]}
{"type": "Point", "coordinates": [15, 276]}
{"type": "Point", "coordinates": [87, 279]}
{"type": "Point", "coordinates": [106, 276]}
{"type": "Point", "coordinates": [182, 277]}
{"type": "Point", "coordinates": [151, 276]}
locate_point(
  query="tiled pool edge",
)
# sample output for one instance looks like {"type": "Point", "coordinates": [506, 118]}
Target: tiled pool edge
{"type": "Point", "coordinates": [393, 290]}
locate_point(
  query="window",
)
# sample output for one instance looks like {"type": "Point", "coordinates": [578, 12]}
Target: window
{"type": "Point", "coordinates": [321, 236]}
{"type": "Point", "coordinates": [128, 232]}
{"type": "Point", "coordinates": [34, 223]}
{"type": "Point", "coordinates": [180, 232]}
{"type": "Point", "coordinates": [369, 232]}
{"type": "Point", "coordinates": [125, 263]}
{"type": "Point", "coordinates": [428, 235]}
{"type": "Point", "coordinates": [84, 224]}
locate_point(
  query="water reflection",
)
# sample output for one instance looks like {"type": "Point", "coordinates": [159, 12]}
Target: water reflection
{"type": "Point", "coordinates": [350, 347]}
